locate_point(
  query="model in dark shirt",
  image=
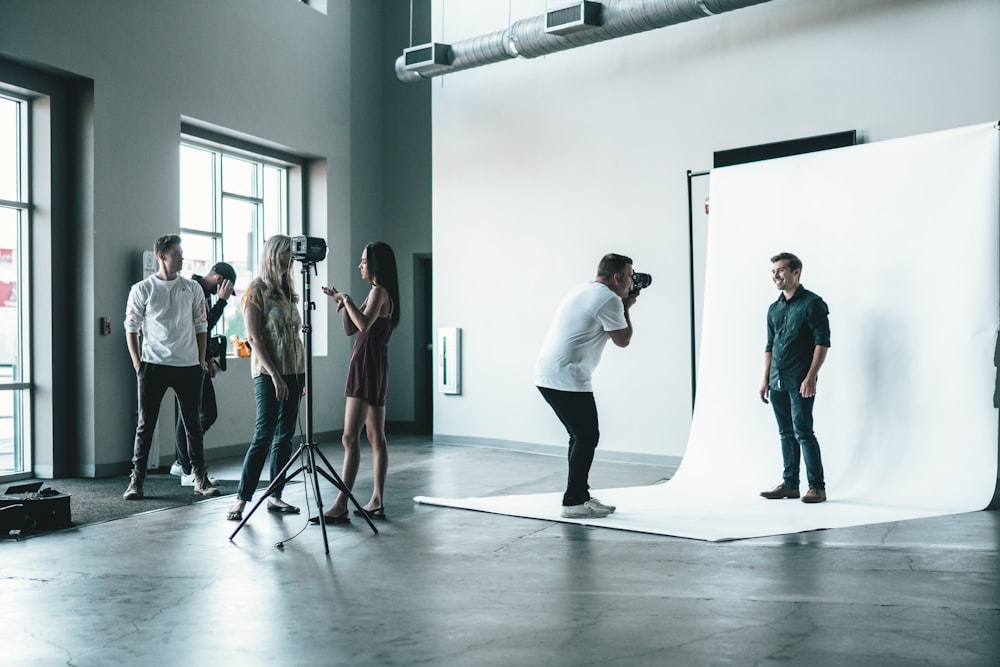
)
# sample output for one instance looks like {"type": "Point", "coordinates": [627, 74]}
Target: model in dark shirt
{"type": "Point", "coordinates": [798, 338]}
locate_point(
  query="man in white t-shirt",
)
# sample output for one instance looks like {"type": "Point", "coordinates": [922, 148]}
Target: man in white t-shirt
{"type": "Point", "coordinates": [588, 316]}
{"type": "Point", "coordinates": [169, 311]}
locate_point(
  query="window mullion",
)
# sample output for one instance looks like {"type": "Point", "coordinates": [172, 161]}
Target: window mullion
{"type": "Point", "coordinates": [218, 223]}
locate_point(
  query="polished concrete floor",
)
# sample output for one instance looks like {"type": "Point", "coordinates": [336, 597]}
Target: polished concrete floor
{"type": "Point", "coordinates": [441, 586]}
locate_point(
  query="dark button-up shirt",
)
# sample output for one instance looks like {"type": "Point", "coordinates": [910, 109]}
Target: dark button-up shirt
{"type": "Point", "coordinates": [794, 328]}
{"type": "Point", "coordinates": [215, 312]}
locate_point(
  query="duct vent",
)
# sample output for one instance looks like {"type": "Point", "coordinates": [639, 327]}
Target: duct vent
{"type": "Point", "coordinates": [581, 16]}
{"type": "Point", "coordinates": [427, 58]}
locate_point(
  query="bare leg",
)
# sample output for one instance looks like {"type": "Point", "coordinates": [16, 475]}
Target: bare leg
{"type": "Point", "coordinates": [354, 415]}
{"type": "Point", "coordinates": [375, 424]}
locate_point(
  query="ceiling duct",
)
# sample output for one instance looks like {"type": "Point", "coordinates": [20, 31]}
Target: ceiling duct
{"type": "Point", "coordinates": [427, 58]}
{"type": "Point", "coordinates": [581, 16]}
{"type": "Point", "coordinates": [528, 38]}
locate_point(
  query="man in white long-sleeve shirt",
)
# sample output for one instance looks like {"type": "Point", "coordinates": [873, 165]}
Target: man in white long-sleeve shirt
{"type": "Point", "coordinates": [169, 311]}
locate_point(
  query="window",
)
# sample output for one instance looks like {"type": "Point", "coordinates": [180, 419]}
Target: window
{"type": "Point", "coordinates": [231, 202]}
{"type": "Point", "coordinates": [15, 210]}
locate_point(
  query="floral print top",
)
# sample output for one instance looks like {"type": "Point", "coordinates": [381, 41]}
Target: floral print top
{"type": "Point", "coordinates": [282, 326]}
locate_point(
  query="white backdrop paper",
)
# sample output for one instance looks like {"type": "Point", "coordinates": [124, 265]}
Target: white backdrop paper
{"type": "Point", "coordinates": [901, 240]}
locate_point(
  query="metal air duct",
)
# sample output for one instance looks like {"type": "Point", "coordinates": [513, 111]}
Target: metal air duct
{"type": "Point", "coordinates": [527, 38]}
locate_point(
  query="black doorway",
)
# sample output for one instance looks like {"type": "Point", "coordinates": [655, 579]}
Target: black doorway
{"type": "Point", "coordinates": [423, 345]}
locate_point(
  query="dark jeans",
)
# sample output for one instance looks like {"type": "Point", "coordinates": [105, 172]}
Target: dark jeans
{"type": "Point", "coordinates": [577, 411]}
{"type": "Point", "coordinates": [795, 428]}
{"type": "Point", "coordinates": [274, 430]}
{"type": "Point", "coordinates": [153, 380]}
{"type": "Point", "coordinates": [207, 414]}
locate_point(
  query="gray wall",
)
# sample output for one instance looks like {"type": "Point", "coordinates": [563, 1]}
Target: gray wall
{"type": "Point", "coordinates": [541, 166]}
{"type": "Point", "coordinates": [275, 70]}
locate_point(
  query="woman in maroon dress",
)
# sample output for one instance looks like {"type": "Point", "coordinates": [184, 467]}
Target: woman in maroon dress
{"type": "Point", "coordinates": [368, 374]}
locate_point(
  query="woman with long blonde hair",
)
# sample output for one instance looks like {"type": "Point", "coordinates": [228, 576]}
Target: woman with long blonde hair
{"type": "Point", "coordinates": [277, 365]}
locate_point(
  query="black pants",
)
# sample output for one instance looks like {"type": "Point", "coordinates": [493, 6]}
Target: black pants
{"type": "Point", "coordinates": [153, 380]}
{"type": "Point", "coordinates": [577, 411]}
{"type": "Point", "coordinates": [208, 412]}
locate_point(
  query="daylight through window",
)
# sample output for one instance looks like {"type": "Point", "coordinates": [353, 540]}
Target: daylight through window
{"type": "Point", "coordinates": [230, 203]}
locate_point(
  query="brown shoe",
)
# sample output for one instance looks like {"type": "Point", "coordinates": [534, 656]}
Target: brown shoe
{"type": "Point", "coordinates": [203, 487]}
{"type": "Point", "coordinates": [134, 490]}
{"type": "Point", "coordinates": [780, 491]}
{"type": "Point", "coordinates": [814, 496]}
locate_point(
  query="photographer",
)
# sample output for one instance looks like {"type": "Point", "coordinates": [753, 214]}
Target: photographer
{"type": "Point", "coordinates": [218, 281]}
{"type": "Point", "coordinates": [587, 317]}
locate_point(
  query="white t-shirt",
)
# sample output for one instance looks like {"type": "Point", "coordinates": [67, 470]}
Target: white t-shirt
{"type": "Point", "coordinates": [576, 338]}
{"type": "Point", "coordinates": [169, 313]}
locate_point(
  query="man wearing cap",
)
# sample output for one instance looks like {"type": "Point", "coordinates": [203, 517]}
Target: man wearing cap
{"type": "Point", "coordinates": [218, 281]}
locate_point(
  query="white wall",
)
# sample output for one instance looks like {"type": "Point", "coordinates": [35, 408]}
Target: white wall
{"type": "Point", "coordinates": [541, 166]}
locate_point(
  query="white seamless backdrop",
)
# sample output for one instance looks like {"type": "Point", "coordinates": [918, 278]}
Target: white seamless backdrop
{"type": "Point", "coordinates": [901, 240]}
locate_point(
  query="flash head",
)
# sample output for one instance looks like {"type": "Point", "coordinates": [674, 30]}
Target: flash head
{"type": "Point", "coordinates": [308, 249]}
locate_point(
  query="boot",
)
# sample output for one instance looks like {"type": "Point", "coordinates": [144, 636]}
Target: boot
{"type": "Point", "coordinates": [202, 485]}
{"type": "Point", "coordinates": [134, 490]}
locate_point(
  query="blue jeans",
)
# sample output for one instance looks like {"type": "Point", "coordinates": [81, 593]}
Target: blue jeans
{"type": "Point", "coordinates": [577, 411]}
{"type": "Point", "coordinates": [795, 428]}
{"type": "Point", "coordinates": [274, 430]}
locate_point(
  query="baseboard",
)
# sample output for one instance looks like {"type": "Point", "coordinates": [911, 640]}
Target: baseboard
{"type": "Point", "coordinates": [559, 450]}
{"type": "Point", "coordinates": [218, 452]}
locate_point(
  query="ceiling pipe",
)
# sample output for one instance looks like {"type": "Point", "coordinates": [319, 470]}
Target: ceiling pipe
{"type": "Point", "coordinates": [527, 38]}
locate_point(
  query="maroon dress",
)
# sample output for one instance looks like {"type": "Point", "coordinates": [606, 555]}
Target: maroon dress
{"type": "Point", "coordinates": [368, 372]}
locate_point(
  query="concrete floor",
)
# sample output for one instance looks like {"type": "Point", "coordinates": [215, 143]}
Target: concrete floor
{"type": "Point", "coordinates": [440, 586]}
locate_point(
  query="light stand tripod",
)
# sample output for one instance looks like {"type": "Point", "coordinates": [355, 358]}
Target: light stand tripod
{"type": "Point", "coordinates": [310, 465]}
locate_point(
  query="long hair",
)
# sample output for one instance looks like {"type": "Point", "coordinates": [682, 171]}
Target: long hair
{"type": "Point", "coordinates": [274, 275]}
{"type": "Point", "coordinates": [382, 269]}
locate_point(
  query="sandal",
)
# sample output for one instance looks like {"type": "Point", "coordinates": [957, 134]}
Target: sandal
{"type": "Point", "coordinates": [282, 509]}
{"type": "Point", "coordinates": [235, 514]}
{"type": "Point", "coordinates": [375, 513]}
{"type": "Point", "coordinates": [327, 519]}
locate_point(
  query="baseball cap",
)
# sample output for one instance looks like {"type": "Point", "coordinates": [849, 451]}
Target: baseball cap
{"type": "Point", "coordinates": [226, 271]}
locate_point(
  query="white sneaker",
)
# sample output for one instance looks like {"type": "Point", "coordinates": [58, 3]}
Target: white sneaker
{"type": "Point", "coordinates": [598, 505]}
{"type": "Point", "coordinates": [583, 511]}
{"type": "Point", "coordinates": [176, 470]}
{"type": "Point", "coordinates": [188, 480]}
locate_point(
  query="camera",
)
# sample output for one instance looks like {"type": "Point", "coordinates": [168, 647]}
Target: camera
{"type": "Point", "coordinates": [640, 281]}
{"type": "Point", "coordinates": [308, 249]}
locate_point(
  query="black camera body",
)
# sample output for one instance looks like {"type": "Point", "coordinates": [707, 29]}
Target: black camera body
{"type": "Point", "coordinates": [308, 249]}
{"type": "Point", "coordinates": [640, 281]}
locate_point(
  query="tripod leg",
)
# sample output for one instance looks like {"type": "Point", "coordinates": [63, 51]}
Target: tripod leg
{"type": "Point", "coordinates": [311, 458]}
{"type": "Point", "coordinates": [338, 482]}
{"type": "Point", "coordinates": [271, 488]}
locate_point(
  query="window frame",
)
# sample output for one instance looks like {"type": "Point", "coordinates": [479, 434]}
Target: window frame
{"type": "Point", "coordinates": [21, 384]}
{"type": "Point", "coordinates": [224, 147]}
